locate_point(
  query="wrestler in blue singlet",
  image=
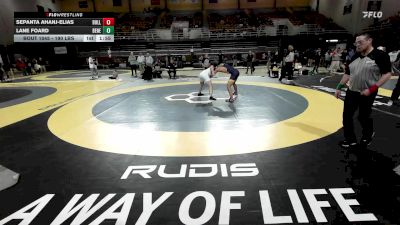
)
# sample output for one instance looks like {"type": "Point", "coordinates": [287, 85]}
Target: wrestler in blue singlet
{"type": "Point", "coordinates": [234, 72]}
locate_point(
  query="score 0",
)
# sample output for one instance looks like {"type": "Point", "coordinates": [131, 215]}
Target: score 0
{"type": "Point", "coordinates": [108, 21]}
{"type": "Point", "coordinates": [108, 25]}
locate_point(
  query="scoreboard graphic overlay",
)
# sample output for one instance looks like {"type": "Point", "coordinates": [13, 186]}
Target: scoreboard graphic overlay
{"type": "Point", "coordinates": [63, 27]}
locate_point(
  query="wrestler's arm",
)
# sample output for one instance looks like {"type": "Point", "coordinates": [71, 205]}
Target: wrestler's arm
{"type": "Point", "coordinates": [220, 69]}
{"type": "Point", "coordinates": [212, 71]}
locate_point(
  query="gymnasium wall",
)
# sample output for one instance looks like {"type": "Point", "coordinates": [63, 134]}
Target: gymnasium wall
{"type": "Point", "coordinates": [354, 21]}
{"type": "Point", "coordinates": [246, 4]}
{"type": "Point", "coordinates": [253, 4]}
{"type": "Point", "coordinates": [73, 6]}
{"type": "Point", "coordinates": [222, 4]}
{"type": "Point", "coordinates": [139, 5]}
{"type": "Point", "coordinates": [107, 5]}
{"type": "Point", "coordinates": [186, 5]}
{"type": "Point", "coordinates": [179, 5]}
{"type": "Point", "coordinates": [292, 3]}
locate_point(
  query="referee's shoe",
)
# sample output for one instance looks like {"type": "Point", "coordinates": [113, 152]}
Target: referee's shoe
{"type": "Point", "coordinates": [366, 141]}
{"type": "Point", "coordinates": [346, 144]}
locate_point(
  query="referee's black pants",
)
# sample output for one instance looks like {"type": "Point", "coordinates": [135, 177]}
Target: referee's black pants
{"type": "Point", "coordinates": [352, 102]}
{"type": "Point", "coordinates": [396, 91]}
{"type": "Point", "coordinates": [287, 70]}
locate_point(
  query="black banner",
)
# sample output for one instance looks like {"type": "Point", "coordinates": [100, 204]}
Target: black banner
{"type": "Point", "coordinates": [62, 15]}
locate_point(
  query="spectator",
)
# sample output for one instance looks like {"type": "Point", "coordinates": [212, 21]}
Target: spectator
{"type": "Point", "coordinates": [201, 59]}
{"type": "Point", "coordinates": [336, 57]}
{"type": "Point", "coordinates": [206, 62]}
{"type": "Point", "coordinates": [276, 57]}
{"type": "Point", "coordinates": [28, 66]}
{"type": "Point", "coordinates": [179, 61]}
{"type": "Point", "coordinates": [8, 71]}
{"type": "Point", "coordinates": [192, 52]}
{"type": "Point", "coordinates": [114, 75]}
{"type": "Point", "coordinates": [141, 62]}
{"type": "Point", "coordinates": [148, 71]}
{"type": "Point", "coordinates": [350, 54]}
{"type": "Point", "coordinates": [317, 60]}
{"type": "Point", "coordinates": [133, 63]}
{"type": "Point", "coordinates": [235, 61]}
{"type": "Point", "coordinates": [288, 67]}
{"type": "Point", "coordinates": [172, 68]}
{"type": "Point", "coordinates": [36, 66]}
{"type": "Point", "coordinates": [2, 74]}
{"type": "Point", "coordinates": [183, 61]}
{"type": "Point", "coordinates": [109, 53]}
{"type": "Point", "coordinates": [269, 58]}
{"type": "Point", "coordinates": [253, 63]}
{"type": "Point", "coordinates": [157, 71]}
{"type": "Point", "coordinates": [149, 60]}
{"type": "Point", "coordinates": [220, 57]}
{"type": "Point", "coordinates": [395, 60]}
{"type": "Point", "coordinates": [93, 67]}
{"type": "Point", "coordinates": [42, 64]}
{"type": "Point", "coordinates": [21, 66]}
{"type": "Point", "coordinates": [328, 58]}
{"type": "Point", "coordinates": [249, 62]}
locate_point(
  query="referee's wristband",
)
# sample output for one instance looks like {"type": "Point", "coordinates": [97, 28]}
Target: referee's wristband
{"type": "Point", "coordinates": [340, 86]}
{"type": "Point", "coordinates": [373, 88]}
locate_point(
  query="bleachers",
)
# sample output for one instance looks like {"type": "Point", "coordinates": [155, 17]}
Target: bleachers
{"type": "Point", "coordinates": [195, 19]}
{"type": "Point", "coordinates": [177, 46]}
{"type": "Point", "coordinates": [264, 19]}
{"type": "Point", "coordinates": [134, 23]}
{"type": "Point", "coordinates": [298, 18]}
{"type": "Point", "coordinates": [223, 25]}
{"type": "Point", "coordinates": [133, 48]}
{"type": "Point", "coordinates": [229, 31]}
{"type": "Point", "coordinates": [232, 47]}
{"type": "Point", "coordinates": [386, 32]}
{"type": "Point", "coordinates": [224, 45]}
{"type": "Point", "coordinates": [229, 23]}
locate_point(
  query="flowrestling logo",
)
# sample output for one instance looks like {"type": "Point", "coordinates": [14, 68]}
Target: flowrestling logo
{"type": "Point", "coordinates": [372, 14]}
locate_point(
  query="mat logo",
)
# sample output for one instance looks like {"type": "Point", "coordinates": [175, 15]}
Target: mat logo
{"type": "Point", "coordinates": [191, 98]}
{"type": "Point", "coordinates": [372, 14]}
{"type": "Point", "coordinates": [221, 209]}
{"type": "Point", "coordinates": [193, 170]}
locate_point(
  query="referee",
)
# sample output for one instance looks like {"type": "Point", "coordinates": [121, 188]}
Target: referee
{"type": "Point", "coordinates": [394, 98]}
{"type": "Point", "coordinates": [368, 70]}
